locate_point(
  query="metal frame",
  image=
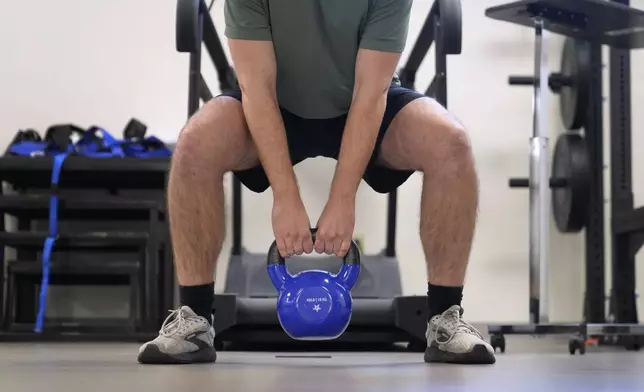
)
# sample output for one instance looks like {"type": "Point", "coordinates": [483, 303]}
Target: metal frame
{"type": "Point", "coordinates": [539, 185]}
{"type": "Point", "coordinates": [206, 32]}
{"type": "Point", "coordinates": [595, 296]}
{"type": "Point", "coordinates": [627, 228]}
{"type": "Point", "coordinates": [429, 34]}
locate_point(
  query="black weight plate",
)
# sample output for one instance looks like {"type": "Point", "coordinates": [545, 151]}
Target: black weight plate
{"type": "Point", "coordinates": [570, 204]}
{"type": "Point", "coordinates": [574, 99]}
{"type": "Point", "coordinates": [451, 25]}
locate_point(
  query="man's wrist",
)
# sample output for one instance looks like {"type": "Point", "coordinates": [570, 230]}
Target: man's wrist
{"type": "Point", "coordinates": [343, 193]}
{"type": "Point", "coordinates": [287, 191]}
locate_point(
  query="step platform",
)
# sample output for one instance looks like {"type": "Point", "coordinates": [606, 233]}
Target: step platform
{"type": "Point", "coordinates": [86, 173]}
{"type": "Point", "coordinates": [23, 281]}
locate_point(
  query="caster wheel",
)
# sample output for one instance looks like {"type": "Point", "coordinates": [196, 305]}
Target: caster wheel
{"type": "Point", "coordinates": [498, 341]}
{"type": "Point", "coordinates": [575, 345]}
{"type": "Point", "coordinates": [631, 343]}
{"type": "Point", "coordinates": [417, 346]}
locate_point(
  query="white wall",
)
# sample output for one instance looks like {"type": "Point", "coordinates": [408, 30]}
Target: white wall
{"type": "Point", "coordinates": [102, 62]}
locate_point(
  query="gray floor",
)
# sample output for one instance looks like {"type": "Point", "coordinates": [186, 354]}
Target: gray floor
{"type": "Point", "coordinates": [532, 365]}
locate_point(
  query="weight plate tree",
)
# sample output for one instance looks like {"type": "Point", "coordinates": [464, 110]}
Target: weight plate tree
{"type": "Point", "coordinates": [593, 23]}
{"type": "Point", "coordinates": [570, 178]}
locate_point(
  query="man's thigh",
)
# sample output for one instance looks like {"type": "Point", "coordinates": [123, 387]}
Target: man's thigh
{"type": "Point", "coordinates": [249, 170]}
{"type": "Point", "coordinates": [219, 129]}
{"type": "Point", "coordinates": [381, 174]}
{"type": "Point", "coordinates": [415, 136]}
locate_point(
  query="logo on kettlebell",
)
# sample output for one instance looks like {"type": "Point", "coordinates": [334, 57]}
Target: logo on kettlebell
{"type": "Point", "coordinates": [317, 307]}
{"type": "Point", "coordinates": [318, 299]}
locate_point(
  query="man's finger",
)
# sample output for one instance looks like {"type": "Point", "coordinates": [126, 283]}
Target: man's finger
{"type": "Point", "coordinates": [319, 245]}
{"type": "Point", "coordinates": [307, 244]}
{"type": "Point", "coordinates": [281, 247]}
{"type": "Point", "coordinates": [297, 246]}
{"type": "Point", "coordinates": [344, 248]}
{"type": "Point", "coordinates": [288, 242]}
{"type": "Point", "coordinates": [328, 247]}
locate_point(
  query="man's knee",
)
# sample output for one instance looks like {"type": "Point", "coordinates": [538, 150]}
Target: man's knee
{"type": "Point", "coordinates": [215, 137]}
{"type": "Point", "coordinates": [452, 149]}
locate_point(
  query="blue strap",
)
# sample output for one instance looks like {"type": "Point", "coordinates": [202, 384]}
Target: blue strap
{"type": "Point", "coordinates": [98, 143]}
{"type": "Point", "coordinates": [112, 143]}
{"type": "Point", "coordinates": [150, 147]}
{"type": "Point", "coordinates": [51, 239]}
{"type": "Point", "coordinates": [30, 149]}
{"type": "Point", "coordinates": [44, 285]}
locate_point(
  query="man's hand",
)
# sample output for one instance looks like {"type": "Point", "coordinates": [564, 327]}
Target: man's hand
{"type": "Point", "coordinates": [335, 227]}
{"type": "Point", "coordinates": [291, 227]}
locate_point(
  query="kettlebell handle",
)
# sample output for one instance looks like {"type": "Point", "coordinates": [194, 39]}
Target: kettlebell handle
{"type": "Point", "coordinates": [351, 258]}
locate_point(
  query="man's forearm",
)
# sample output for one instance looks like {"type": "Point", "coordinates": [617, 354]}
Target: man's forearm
{"type": "Point", "coordinates": [360, 134]}
{"type": "Point", "coordinates": [267, 130]}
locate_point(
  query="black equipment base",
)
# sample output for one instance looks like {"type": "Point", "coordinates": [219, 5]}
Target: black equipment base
{"type": "Point", "coordinates": [598, 21]}
{"type": "Point", "coordinates": [579, 333]}
{"type": "Point", "coordinates": [247, 312]}
{"type": "Point", "coordinates": [63, 334]}
{"type": "Point", "coordinates": [243, 323]}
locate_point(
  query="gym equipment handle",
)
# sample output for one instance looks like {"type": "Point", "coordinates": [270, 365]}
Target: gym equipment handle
{"type": "Point", "coordinates": [521, 81]}
{"type": "Point", "coordinates": [555, 81]}
{"type": "Point", "coordinates": [525, 183]}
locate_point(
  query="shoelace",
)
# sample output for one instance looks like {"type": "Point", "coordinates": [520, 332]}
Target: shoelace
{"type": "Point", "coordinates": [173, 323]}
{"type": "Point", "coordinates": [454, 323]}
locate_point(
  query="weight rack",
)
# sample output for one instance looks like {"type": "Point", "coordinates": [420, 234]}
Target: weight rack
{"type": "Point", "coordinates": [125, 197]}
{"type": "Point", "coordinates": [622, 28]}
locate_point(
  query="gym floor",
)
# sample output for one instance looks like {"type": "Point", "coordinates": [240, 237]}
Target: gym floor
{"type": "Point", "coordinates": [529, 365]}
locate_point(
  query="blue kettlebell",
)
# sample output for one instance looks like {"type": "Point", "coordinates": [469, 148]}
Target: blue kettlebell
{"type": "Point", "coordinates": [314, 304]}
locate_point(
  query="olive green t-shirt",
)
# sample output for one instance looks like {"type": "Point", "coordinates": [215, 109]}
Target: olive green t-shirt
{"type": "Point", "coordinates": [316, 44]}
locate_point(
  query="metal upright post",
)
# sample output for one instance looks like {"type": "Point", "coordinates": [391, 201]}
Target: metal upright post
{"type": "Point", "coordinates": [539, 186]}
{"type": "Point", "coordinates": [595, 304]}
{"type": "Point", "coordinates": [622, 198]}
{"type": "Point", "coordinates": [194, 81]}
{"type": "Point", "coordinates": [440, 78]}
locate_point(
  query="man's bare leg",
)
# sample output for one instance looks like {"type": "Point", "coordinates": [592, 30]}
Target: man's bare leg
{"type": "Point", "coordinates": [425, 137]}
{"type": "Point", "coordinates": [215, 141]}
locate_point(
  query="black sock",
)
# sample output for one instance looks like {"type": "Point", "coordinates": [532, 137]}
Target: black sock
{"type": "Point", "coordinates": [199, 299]}
{"type": "Point", "coordinates": [441, 298]}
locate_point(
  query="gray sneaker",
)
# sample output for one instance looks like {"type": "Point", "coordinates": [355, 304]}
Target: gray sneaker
{"type": "Point", "coordinates": [452, 340]}
{"type": "Point", "coordinates": [184, 338]}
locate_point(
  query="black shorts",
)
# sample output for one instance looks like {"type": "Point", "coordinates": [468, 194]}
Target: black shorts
{"type": "Point", "coordinates": [310, 138]}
